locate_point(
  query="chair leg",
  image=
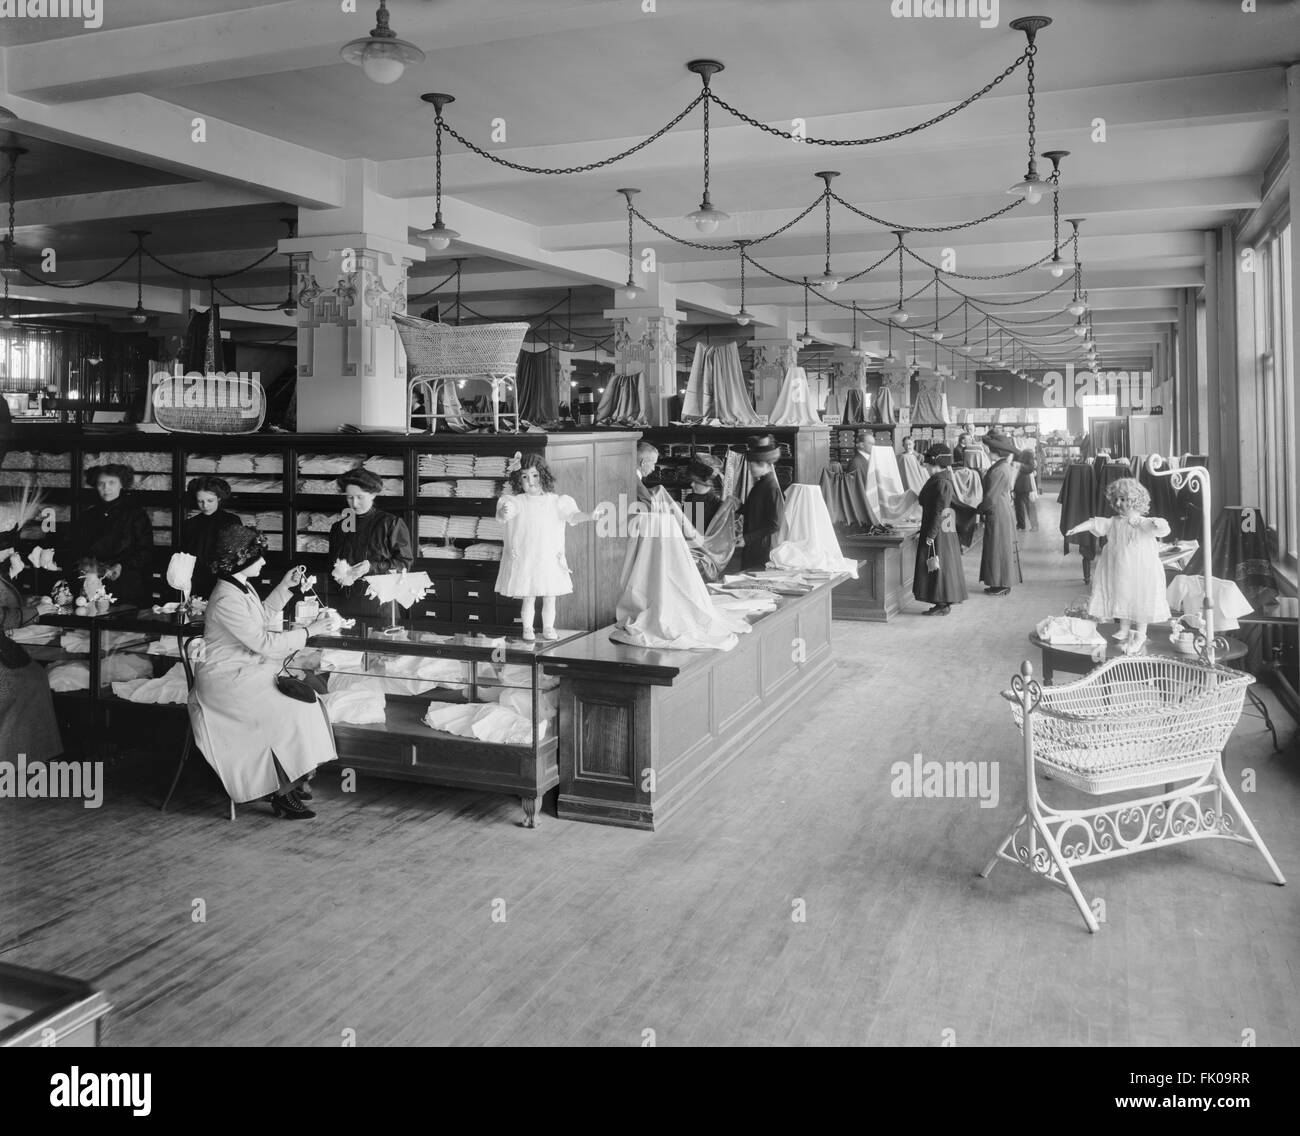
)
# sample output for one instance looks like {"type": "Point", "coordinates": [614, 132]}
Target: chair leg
{"type": "Point", "coordinates": [185, 753]}
{"type": "Point", "coordinates": [1259, 705]}
{"type": "Point", "coordinates": [1226, 790]}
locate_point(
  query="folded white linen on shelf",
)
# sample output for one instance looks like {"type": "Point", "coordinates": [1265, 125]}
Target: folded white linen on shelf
{"type": "Point", "coordinates": [67, 676]}
{"type": "Point", "coordinates": [356, 707]}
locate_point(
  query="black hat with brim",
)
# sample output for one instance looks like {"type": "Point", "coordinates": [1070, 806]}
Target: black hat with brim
{"type": "Point", "coordinates": [705, 469]}
{"type": "Point", "coordinates": [1000, 443]}
{"type": "Point", "coordinates": [762, 448]}
{"type": "Point", "coordinates": [238, 546]}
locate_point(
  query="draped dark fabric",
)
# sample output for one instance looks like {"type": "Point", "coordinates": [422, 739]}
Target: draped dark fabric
{"type": "Point", "coordinates": [1240, 553]}
{"type": "Point", "coordinates": [855, 408]}
{"type": "Point", "coordinates": [535, 381]}
{"type": "Point", "coordinates": [205, 351]}
{"type": "Point", "coordinates": [1076, 500]}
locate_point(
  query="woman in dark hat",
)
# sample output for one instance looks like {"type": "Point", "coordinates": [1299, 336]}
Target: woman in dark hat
{"type": "Point", "coordinates": [262, 743]}
{"type": "Point", "coordinates": [998, 556]}
{"type": "Point", "coordinates": [200, 533]}
{"type": "Point", "coordinates": [711, 529]}
{"type": "Point", "coordinates": [942, 584]}
{"type": "Point", "coordinates": [371, 541]}
{"type": "Point", "coordinates": [765, 505]}
{"type": "Point", "coordinates": [115, 537]}
{"type": "Point", "coordinates": [1026, 491]}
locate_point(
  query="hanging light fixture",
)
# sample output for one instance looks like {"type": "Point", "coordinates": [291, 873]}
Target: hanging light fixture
{"type": "Point", "coordinates": [1031, 187]}
{"type": "Point", "coordinates": [568, 344]}
{"type": "Point", "coordinates": [986, 358]}
{"type": "Point", "coordinates": [438, 235]}
{"type": "Point", "coordinates": [828, 281]}
{"type": "Point", "coordinates": [744, 316]}
{"type": "Point", "coordinates": [891, 357]}
{"type": "Point", "coordinates": [10, 269]}
{"type": "Point", "coordinates": [964, 346]}
{"type": "Point", "coordinates": [706, 218]}
{"type": "Point", "coordinates": [935, 333]}
{"type": "Point", "coordinates": [855, 350]}
{"type": "Point", "coordinates": [1080, 328]}
{"type": "Point", "coordinates": [1056, 266]}
{"type": "Point", "coordinates": [381, 55]}
{"type": "Point", "coordinates": [806, 338]}
{"type": "Point", "coordinates": [290, 305]}
{"type": "Point", "coordinates": [899, 314]}
{"type": "Point", "coordinates": [630, 289]}
{"type": "Point", "coordinates": [139, 316]}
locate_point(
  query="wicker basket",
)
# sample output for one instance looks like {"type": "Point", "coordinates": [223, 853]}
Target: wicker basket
{"type": "Point", "coordinates": [1135, 722]}
{"type": "Point", "coordinates": [230, 406]}
{"type": "Point", "coordinates": [440, 351]}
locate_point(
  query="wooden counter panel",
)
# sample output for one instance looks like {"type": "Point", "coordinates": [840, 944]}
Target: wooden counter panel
{"type": "Point", "coordinates": [605, 746]}
{"type": "Point", "coordinates": [736, 684]}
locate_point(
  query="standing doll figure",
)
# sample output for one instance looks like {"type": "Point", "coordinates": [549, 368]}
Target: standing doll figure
{"type": "Point", "coordinates": [1128, 582]}
{"type": "Point", "coordinates": [533, 562]}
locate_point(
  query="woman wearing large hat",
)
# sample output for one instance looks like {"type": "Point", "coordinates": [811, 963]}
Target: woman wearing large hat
{"type": "Point", "coordinates": [765, 504]}
{"type": "Point", "coordinates": [938, 578]}
{"type": "Point", "coordinates": [998, 557]}
{"type": "Point", "coordinates": [711, 529]}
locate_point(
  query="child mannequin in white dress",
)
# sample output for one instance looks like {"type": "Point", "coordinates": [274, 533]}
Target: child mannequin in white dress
{"type": "Point", "coordinates": [1128, 583]}
{"type": "Point", "coordinates": [533, 562]}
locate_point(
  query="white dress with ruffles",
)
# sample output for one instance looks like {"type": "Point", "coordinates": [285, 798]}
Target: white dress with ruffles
{"type": "Point", "coordinates": [533, 561]}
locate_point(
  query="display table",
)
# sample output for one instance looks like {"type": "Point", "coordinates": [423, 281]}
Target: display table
{"type": "Point", "coordinates": [39, 1009]}
{"type": "Point", "coordinates": [642, 731]}
{"type": "Point", "coordinates": [1078, 660]}
{"type": "Point", "coordinates": [884, 584]}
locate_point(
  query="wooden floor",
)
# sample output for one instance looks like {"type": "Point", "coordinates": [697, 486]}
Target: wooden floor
{"type": "Point", "coordinates": [378, 916]}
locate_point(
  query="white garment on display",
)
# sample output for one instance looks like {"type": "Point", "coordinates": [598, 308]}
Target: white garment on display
{"type": "Point", "coordinates": [794, 404]}
{"type": "Point", "coordinates": [806, 538]}
{"type": "Point", "coordinates": [931, 406]}
{"type": "Point", "coordinates": [886, 496]}
{"type": "Point", "coordinates": [1187, 593]}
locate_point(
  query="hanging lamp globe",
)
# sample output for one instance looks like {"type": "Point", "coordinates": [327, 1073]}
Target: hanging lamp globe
{"type": "Point", "coordinates": [381, 55]}
{"type": "Point", "coordinates": [568, 345]}
{"type": "Point", "coordinates": [707, 219]}
{"type": "Point", "coordinates": [139, 316]}
{"type": "Point", "coordinates": [630, 289]}
{"type": "Point", "coordinates": [828, 281]}
{"type": "Point", "coordinates": [1077, 307]}
{"type": "Point", "coordinates": [898, 315]}
{"type": "Point", "coordinates": [438, 235]}
{"type": "Point", "coordinates": [936, 335]}
{"type": "Point", "coordinates": [744, 317]}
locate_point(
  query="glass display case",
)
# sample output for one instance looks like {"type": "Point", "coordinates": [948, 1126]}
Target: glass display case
{"type": "Point", "coordinates": [465, 710]}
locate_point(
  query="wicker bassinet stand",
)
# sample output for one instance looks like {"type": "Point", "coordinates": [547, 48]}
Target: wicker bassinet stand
{"type": "Point", "coordinates": [1133, 723]}
{"type": "Point", "coordinates": [441, 355]}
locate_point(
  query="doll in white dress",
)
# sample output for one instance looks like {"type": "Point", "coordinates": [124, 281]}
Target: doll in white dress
{"type": "Point", "coordinates": [533, 562]}
{"type": "Point", "coordinates": [1128, 582]}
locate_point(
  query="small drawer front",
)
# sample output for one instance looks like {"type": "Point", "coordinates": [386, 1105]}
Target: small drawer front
{"type": "Point", "coordinates": [473, 591]}
{"type": "Point", "coordinates": [508, 614]}
{"type": "Point", "coordinates": [473, 613]}
{"type": "Point", "coordinates": [441, 611]}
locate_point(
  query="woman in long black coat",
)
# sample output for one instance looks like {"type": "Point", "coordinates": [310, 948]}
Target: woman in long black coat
{"type": "Point", "coordinates": [115, 537]}
{"type": "Point", "coordinates": [201, 533]}
{"type": "Point", "coordinates": [998, 557]}
{"type": "Point", "coordinates": [371, 541]}
{"type": "Point", "coordinates": [945, 585]}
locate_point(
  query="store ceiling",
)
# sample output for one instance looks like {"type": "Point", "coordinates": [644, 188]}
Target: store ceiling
{"type": "Point", "coordinates": [1192, 92]}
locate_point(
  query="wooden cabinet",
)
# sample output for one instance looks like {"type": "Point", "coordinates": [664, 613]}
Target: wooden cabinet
{"type": "Point", "coordinates": [806, 450]}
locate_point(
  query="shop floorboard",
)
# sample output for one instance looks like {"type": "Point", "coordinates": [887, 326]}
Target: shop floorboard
{"type": "Point", "coordinates": [378, 915]}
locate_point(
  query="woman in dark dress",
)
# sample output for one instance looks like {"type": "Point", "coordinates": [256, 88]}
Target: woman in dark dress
{"type": "Point", "coordinates": [711, 521]}
{"type": "Point", "coordinates": [116, 538]}
{"type": "Point", "coordinates": [765, 505]}
{"type": "Point", "coordinates": [371, 541]}
{"type": "Point", "coordinates": [1026, 492]}
{"type": "Point", "coordinates": [201, 533]}
{"type": "Point", "coordinates": [998, 556]}
{"type": "Point", "coordinates": [944, 585]}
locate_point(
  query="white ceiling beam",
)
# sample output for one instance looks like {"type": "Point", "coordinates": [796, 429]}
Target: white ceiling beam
{"type": "Point", "coordinates": [133, 204]}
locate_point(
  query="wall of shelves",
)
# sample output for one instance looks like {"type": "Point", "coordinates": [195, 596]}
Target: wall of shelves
{"type": "Point", "coordinates": [277, 480]}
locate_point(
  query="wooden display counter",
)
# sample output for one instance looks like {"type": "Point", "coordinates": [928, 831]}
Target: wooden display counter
{"type": "Point", "coordinates": [884, 584]}
{"type": "Point", "coordinates": [642, 731]}
{"type": "Point", "coordinates": [41, 1009]}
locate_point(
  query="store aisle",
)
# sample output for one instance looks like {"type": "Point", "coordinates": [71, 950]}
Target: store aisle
{"type": "Point", "coordinates": [795, 900]}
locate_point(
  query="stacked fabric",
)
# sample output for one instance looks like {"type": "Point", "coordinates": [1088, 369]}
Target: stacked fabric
{"type": "Point", "coordinates": [489, 528]}
{"type": "Point", "coordinates": [432, 525]}
{"type": "Point", "coordinates": [14, 477]}
{"type": "Point", "coordinates": [254, 484]}
{"type": "Point", "coordinates": [323, 486]}
{"type": "Point", "coordinates": [18, 459]}
{"type": "Point", "coordinates": [238, 463]}
{"type": "Point", "coordinates": [462, 528]}
{"type": "Point", "coordinates": [310, 543]}
{"type": "Point", "coordinates": [263, 522]}
{"type": "Point", "coordinates": [202, 463]}
{"type": "Point", "coordinates": [54, 461]}
{"type": "Point", "coordinates": [148, 483]}
{"type": "Point", "coordinates": [460, 465]}
{"type": "Point", "coordinates": [318, 522]}
{"type": "Point", "coordinates": [483, 552]}
{"type": "Point", "coordinates": [162, 538]}
{"type": "Point", "coordinates": [432, 465]}
{"type": "Point", "coordinates": [441, 552]}
{"type": "Point", "coordinates": [275, 542]}
{"type": "Point", "coordinates": [331, 465]}
{"type": "Point", "coordinates": [475, 487]}
{"type": "Point", "coordinates": [140, 461]}
{"type": "Point", "coordinates": [490, 465]}
{"type": "Point", "coordinates": [385, 467]}
{"type": "Point", "coordinates": [437, 489]}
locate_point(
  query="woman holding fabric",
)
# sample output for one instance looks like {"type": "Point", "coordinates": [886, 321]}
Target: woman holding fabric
{"type": "Point", "coordinates": [765, 504]}
{"type": "Point", "coordinates": [998, 557]}
{"type": "Point", "coordinates": [115, 537]}
{"type": "Point", "coordinates": [711, 528]}
{"type": "Point", "coordinates": [262, 743]}
{"type": "Point", "coordinates": [200, 533]}
{"type": "Point", "coordinates": [368, 540]}
{"type": "Point", "coordinates": [938, 578]}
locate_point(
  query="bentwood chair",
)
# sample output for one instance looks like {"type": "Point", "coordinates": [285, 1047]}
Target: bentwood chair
{"type": "Point", "coordinates": [189, 746]}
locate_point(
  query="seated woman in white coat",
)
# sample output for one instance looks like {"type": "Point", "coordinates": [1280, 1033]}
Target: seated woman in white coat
{"type": "Point", "coordinates": [262, 743]}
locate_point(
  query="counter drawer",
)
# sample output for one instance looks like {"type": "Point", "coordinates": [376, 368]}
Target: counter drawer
{"type": "Point", "coordinates": [473, 591]}
{"type": "Point", "coordinates": [484, 613]}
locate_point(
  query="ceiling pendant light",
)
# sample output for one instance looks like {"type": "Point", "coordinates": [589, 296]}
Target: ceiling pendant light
{"type": "Point", "coordinates": [899, 314]}
{"type": "Point", "coordinates": [1031, 187]}
{"type": "Point", "coordinates": [964, 346]}
{"type": "Point", "coordinates": [568, 344]}
{"type": "Point", "coordinates": [855, 350]}
{"type": "Point", "coordinates": [381, 55]}
{"type": "Point", "coordinates": [1057, 266]}
{"type": "Point", "coordinates": [1080, 328]}
{"type": "Point", "coordinates": [890, 357]}
{"type": "Point", "coordinates": [706, 218]}
{"type": "Point", "coordinates": [935, 333]}
{"type": "Point", "coordinates": [828, 281]}
{"type": "Point", "coordinates": [10, 269]}
{"type": "Point", "coordinates": [290, 305]}
{"type": "Point", "coordinates": [744, 316]}
{"type": "Point", "coordinates": [987, 357]}
{"type": "Point", "coordinates": [630, 289]}
{"type": "Point", "coordinates": [438, 235]}
{"type": "Point", "coordinates": [139, 316]}
{"type": "Point", "coordinates": [806, 337]}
